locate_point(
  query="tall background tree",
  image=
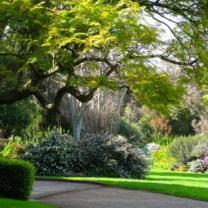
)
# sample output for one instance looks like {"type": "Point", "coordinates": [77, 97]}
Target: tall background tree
{"type": "Point", "coordinates": [70, 43]}
{"type": "Point", "coordinates": [84, 45]}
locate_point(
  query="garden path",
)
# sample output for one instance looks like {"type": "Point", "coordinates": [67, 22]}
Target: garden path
{"type": "Point", "coordinates": [82, 195]}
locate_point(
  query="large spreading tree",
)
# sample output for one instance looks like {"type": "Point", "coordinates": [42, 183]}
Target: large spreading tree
{"type": "Point", "coordinates": [85, 44]}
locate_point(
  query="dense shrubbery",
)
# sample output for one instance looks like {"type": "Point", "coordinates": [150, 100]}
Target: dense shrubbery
{"type": "Point", "coordinates": [181, 123]}
{"type": "Point", "coordinates": [200, 158]}
{"type": "Point", "coordinates": [182, 147]}
{"type": "Point", "coordinates": [16, 178]}
{"type": "Point", "coordinates": [51, 156]}
{"type": "Point", "coordinates": [179, 154]}
{"type": "Point", "coordinates": [139, 133]}
{"type": "Point", "coordinates": [201, 150]}
{"type": "Point", "coordinates": [96, 155]}
{"type": "Point", "coordinates": [196, 166]}
{"type": "Point", "coordinates": [20, 119]}
{"type": "Point", "coordinates": [108, 155]}
{"type": "Point", "coordinates": [13, 147]}
{"type": "Point", "coordinates": [191, 153]}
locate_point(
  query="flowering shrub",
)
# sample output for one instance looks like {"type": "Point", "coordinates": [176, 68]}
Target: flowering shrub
{"type": "Point", "coordinates": [205, 161]}
{"type": "Point", "coordinates": [52, 155]}
{"type": "Point", "coordinates": [181, 148]}
{"type": "Point", "coordinates": [201, 150]}
{"type": "Point", "coordinates": [200, 155]}
{"type": "Point", "coordinates": [108, 155]}
{"type": "Point", "coordinates": [196, 166]}
{"type": "Point", "coordinates": [95, 155]}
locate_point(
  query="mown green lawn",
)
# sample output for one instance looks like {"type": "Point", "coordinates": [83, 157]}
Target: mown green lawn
{"type": "Point", "coordinates": [189, 185]}
{"type": "Point", "coordinates": [11, 203]}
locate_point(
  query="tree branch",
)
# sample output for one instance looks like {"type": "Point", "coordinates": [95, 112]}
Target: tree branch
{"type": "Point", "coordinates": [13, 96]}
{"type": "Point", "coordinates": [174, 9]}
{"type": "Point", "coordinates": [175, 62]}
{"type": "Point", "coordinates": [82, 97]}
{"type": "Point", "coordinates": [49, 105]}
{"type": "Point", "coordinates": [91, 58]}
{"type": "Point", "coordinates": [165, 58]}
{"type": "Point", "coordinates": [44, 102]}
{"type": "Point", "coordinates": [173, 33]}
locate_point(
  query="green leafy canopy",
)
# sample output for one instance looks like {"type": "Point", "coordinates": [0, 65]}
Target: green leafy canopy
{"type": "Point", "coordinates": [83, 45]}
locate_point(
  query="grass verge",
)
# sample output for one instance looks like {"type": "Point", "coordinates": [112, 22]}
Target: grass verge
{"type": "Point", "coordinates": [12, 203]}
{"type": "Point", "coordinates": [188, 185]}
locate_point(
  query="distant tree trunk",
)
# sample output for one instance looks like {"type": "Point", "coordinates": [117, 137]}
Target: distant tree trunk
{"type": "Point", "coordinates": [100, 114]}
{"type": "Point", "coordinates": [77, 126]}
{"type": "Point", "coordinates": [76, 112]}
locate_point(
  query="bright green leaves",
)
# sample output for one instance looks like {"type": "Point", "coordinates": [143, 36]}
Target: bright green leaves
{"type": "Point", "coordinates": [155, 90]}
{"type": "Point", "coordinates": [52, 37]}
{"type": "Point", "coordinates": [24, 16]}
{"type": "Point", "coordinates": [24, 27]}
{"type": "Point", "coordinates": [84, 22]}
{"type": "Point", "coordinates": [96, 24]}
{"type": "Point", "coordinates": [193, 43]}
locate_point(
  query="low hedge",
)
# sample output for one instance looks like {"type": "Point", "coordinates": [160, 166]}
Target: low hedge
{"type": "Point", "coordinates": [16, 178]}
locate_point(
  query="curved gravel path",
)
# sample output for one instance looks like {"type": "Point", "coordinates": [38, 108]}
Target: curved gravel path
{"type": "Point", "coordinates": [81, 195]}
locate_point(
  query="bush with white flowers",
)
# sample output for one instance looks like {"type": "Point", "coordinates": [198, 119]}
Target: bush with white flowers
{"type": "Point", "coordinates": [52, 155]}
{"type": "Point", "coordinates": [95, 155]}
{"type": "Point", "coordinates": [200, 158]}
{"type": "Point", "coordinates": [108, 155]}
